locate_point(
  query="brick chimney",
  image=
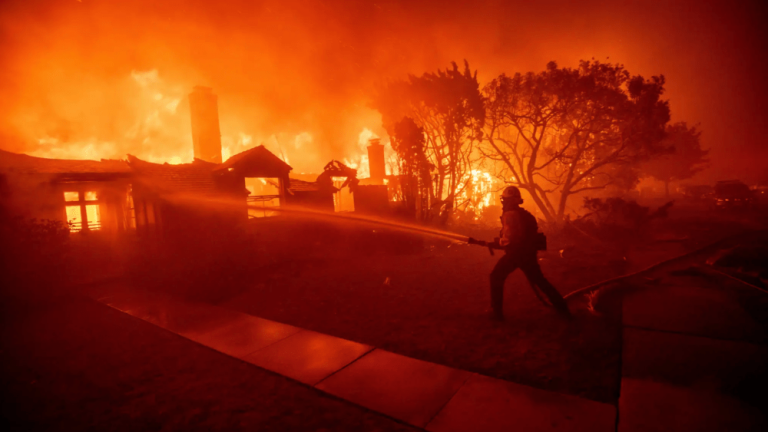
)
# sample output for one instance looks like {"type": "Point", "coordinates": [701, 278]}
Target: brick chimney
{"type": "Point", "coordinates": [376, 163]}
{"type": "Point", "coordinates": [206, 135]}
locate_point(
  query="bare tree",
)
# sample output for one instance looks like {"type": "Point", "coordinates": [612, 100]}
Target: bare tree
{"type": "Point", "coordinates": [448, 107]}
{"type": "Point", "coordinates": [564, 131]}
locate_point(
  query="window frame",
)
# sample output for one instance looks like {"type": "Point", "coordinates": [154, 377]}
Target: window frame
{"type": "Point", "coordinates": [82, 203]}
{"type": "Point", "coordinates": [252, 200]}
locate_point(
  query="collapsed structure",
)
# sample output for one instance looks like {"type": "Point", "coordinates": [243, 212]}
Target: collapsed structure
{"type": "Point", "coordinates": [133, 195]}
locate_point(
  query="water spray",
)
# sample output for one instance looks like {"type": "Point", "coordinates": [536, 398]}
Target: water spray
{"type": "Point", "coordinates": [372, 221]}
{"type": "Point", "coordinates": [235, 204]}
{"type": "Point", "coordinates": [392, 225]}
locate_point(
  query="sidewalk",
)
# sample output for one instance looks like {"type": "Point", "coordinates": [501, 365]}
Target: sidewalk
{"type": "Point", "coordinates": [691, 359]}
{"type": "Point", "coordinates": [422, 394]}
{"type": "Point", "coordinates": [72, 364]}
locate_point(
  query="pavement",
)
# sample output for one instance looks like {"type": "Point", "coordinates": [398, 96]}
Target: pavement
{"type": "Point", "coordinates": [416, 392]}
{"type": "Point", "coordinates": [692, 359]}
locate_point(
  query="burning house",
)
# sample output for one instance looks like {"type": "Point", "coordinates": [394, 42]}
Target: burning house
{"type": "Point", "coordinates": [90, 195]}
{"type": "Point", "coordinates": [153, 199]}
{"type": "Point", "coordinates": [158, 200]}
{"type": "Point", "coordinates": [172, 198]}
{"type": "Point", "coordinates": [116, 196]}
{"type": "Point", "coordinates": [258, 176]}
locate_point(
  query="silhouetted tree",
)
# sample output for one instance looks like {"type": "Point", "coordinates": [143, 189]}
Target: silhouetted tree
{"type": "Point", "coordinates": [409, 143]}
{"type": "Point", "coordinates": [448, 106]}
{"type": "Point", "coordinates": [564, 131]}
{"type": "Point", "coordinates": [685, 156]}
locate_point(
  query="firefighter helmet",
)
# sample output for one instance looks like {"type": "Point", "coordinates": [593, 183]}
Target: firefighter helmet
{"type": "Point", "coordinates": [512, 192]}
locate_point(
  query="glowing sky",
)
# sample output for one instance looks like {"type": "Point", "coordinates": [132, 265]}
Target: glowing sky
{"type": "Point", "coordinates": [113, 75]}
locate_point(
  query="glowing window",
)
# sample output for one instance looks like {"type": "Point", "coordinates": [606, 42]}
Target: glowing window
{"type": "Point", "coordinates": [263, 194]}
{"type": "Point", "coordinates": [93, 216]}
{"type": "Point", "coordinates": [80, 214]}
{"type": "Point", "coordinates": [343, 200]}
{"type": "Point", "coordinates": [74, 219]}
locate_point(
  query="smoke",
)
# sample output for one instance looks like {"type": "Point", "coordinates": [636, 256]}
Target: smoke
{"type": "Point", "coordinates": [99, 78]}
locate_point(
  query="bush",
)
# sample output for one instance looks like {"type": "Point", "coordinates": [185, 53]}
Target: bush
{"type": "Point", "coordinates": [616, 219]}
{"type": "Point", "coordinates": [33, 252]}
{"type": "Point", "coordinates": [615, 212]}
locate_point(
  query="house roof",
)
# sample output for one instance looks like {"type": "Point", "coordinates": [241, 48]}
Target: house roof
{"type": "Point", "coordinates": [256, 162]}
{"type": "Point", "coordinates": [25, 164]}
{"type": "Point", "coordinates": [196, 177]}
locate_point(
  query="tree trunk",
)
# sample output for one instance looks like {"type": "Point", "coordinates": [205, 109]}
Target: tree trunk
{"type": "Point", "coordinates": [550, 218]}
{"type": "Point", "coordinates": [561, 206]}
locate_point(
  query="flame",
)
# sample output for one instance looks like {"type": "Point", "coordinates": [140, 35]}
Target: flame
{"type": "Point", "coordinates": [161, 131]}
{"type": "Point", "coordinates": [480, 192]}
{"type": "Point", "coordinates": [151, 121]}
{"type": "Point", "coordinates": [483, 182]}
{"type": "Point", "coordinates": [363, 138]}
{"type": "Point", "coordinates": [150, 126]}
{"type": "Point", "coordinates": [54, 148]}
{"type": "Point", "coordinates": [302, 140]}
{"type": "Point", "coordinates": [159, 127]}
{"type": "Point", "coordinates": [231, 146]}
{"type": "Point", "coordinates": [359, 161]}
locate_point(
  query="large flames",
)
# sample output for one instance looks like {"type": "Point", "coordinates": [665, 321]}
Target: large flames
{"type": "Point", "coordinates": [359, 161]}
{"type": "Point", "coordinates": [151, 126]}
{"type": "Point", "coordinates": [480, 191]}
{"type": "Point", "coordinates": [155, 127]}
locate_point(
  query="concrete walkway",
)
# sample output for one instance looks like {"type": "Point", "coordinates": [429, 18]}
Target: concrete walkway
{"type": "Point", "coordinates": [692, 359]}
{"type": "Point", "coordinates": [691, 356]}
{"type": "Point", "coordinates": [420, 393]}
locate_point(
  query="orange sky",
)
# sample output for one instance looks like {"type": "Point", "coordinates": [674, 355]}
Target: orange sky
{"type": "Point", "coordinates": [107, 78]}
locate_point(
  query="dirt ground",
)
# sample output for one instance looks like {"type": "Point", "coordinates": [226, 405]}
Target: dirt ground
{"type": "Point", "coordinates": [74, 364]}
{"type": "Point", "coordinates": [433, 304]}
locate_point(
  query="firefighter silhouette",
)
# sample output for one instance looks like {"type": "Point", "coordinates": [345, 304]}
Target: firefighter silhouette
{"type": "Point", "coordinates": [520, 240]}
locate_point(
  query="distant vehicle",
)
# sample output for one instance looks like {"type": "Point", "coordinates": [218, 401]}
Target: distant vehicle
{"type": "Point", "coordinates": [733, 194]}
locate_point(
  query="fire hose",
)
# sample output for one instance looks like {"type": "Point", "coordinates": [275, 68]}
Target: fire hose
{"type": "Point", "coordinates": [490, 245]}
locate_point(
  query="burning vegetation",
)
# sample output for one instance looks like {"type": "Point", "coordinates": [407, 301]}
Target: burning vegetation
{"type": "Point", "coordinates": [555, 134]}
{"type": "Point", "coordinates": [445, 141]}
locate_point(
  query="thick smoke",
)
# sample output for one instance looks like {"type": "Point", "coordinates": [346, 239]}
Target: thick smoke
{"type": "Point", "coordinates": [104, 78]}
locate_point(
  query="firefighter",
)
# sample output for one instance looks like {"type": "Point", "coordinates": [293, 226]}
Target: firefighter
{"type": "Point", "coordinates": [520, 240]}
